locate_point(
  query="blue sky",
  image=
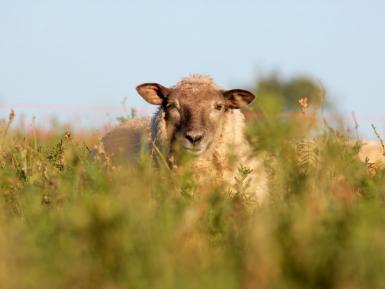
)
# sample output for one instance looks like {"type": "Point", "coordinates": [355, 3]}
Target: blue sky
{"type": "Point", "coordinates": [79, 59]}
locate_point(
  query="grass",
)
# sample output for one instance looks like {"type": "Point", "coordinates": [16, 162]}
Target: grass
{"type": "Point", "coordinates": [68, 220]}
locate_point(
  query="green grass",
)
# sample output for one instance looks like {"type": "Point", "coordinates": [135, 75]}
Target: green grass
{"type": "Point", "coordinates": [70, 221]}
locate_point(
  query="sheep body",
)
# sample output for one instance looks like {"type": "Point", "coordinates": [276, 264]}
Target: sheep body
{"type": "Point", "coordinates": [123, 144]}
{"type": "Point", "coordinates": [221, 161]}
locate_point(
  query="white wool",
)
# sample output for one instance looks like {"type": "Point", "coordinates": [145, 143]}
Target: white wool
{"type": "Point", "coordinates": [224, 157]}
{"type": "Point", "coordinates": [124, 143]}
{"type": "Point", "coordinates": [221, 160]}
{"type": "Point", "coordinates": [373, 152]}
{"type": "Point", "coordinates": [197, 80]}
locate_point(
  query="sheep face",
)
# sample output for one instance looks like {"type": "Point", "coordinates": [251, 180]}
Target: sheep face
{"type": "Point", "coordinates": [194, 113]}
{"type": "Point", "coordinates": [194, 119]}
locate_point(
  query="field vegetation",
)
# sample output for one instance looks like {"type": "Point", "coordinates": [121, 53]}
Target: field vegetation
{"type": "Point", "coordinates": [70, 219]}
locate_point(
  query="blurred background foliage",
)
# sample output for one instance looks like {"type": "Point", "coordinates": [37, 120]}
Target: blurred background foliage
{"type": "Point", "coordinates": [71, 220]}
{"type": "Point", "coordinates": [286, 92]}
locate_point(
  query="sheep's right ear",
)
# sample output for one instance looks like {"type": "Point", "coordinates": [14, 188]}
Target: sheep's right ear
{"type": "Point", "coordinates": [153, 93]}
{"type": "Point", "coordinates": [236, 98]}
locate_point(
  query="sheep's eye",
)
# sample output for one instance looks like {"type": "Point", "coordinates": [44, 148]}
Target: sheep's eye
{"type": "Point", "coordinates": [171, 106]}
{"type": "Point", "coordinates": [173, 113]}
{"type": "Point", "coordinates": [219, 106]}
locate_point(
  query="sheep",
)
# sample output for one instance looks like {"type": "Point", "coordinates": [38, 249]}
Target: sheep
{"type": "Point", "coordinates": [198, 120]}
{"type": "Point", "coordinates": [123, 144]}
{"type": "Point", "coordinates": [372, 152]}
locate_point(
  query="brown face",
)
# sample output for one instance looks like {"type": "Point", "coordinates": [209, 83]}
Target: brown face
{"type": "Point", "coordinates": [194, 114]}
{"type": "Point", "coordinates": [194, 118]}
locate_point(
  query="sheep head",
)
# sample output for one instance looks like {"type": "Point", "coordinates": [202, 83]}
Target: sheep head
{"type": "Point", "coordinates": [194, 112]}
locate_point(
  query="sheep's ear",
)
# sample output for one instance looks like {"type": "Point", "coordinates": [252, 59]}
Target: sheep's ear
{"type": "Point", "coordinates": [236, 98]}
{"type": "Point", "coordinates": [153, 93]}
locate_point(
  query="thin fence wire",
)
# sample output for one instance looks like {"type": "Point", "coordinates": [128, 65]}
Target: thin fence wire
{"type": "Point", "coordinates": [120, 109]}
{"type": "Point", "coordinates": [59, 107]}
{"type": "Point", "coordinates": [99, 115]}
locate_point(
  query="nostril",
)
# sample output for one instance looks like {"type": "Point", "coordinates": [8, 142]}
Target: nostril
{"type": "Point", "coordinates": [194, 137]}
{"type": "Point", "coordinates": [197, 138]}
{"type": "Point", "coordinates": [190, 138]}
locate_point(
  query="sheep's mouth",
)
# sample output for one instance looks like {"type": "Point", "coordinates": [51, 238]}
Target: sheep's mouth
{"type": "Point", "coordinates": [195, 150]}
{"type": "Point", "coordinates": [182, 146]}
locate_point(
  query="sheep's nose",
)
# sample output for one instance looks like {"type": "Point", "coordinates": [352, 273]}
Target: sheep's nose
{"type": "Point", "coordinates": [194, 137]}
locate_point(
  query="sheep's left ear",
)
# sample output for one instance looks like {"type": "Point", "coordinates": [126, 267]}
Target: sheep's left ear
{"type": "Point", "coordinates": [153, 93]}
{"type": "Point", "coordinates": [237, 98]}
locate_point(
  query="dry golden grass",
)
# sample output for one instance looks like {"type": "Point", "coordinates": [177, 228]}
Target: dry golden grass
{"type": "Point", "coordinates": [68, 220]}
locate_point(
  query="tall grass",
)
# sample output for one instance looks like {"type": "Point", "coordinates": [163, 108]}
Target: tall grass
{"type": "Point", "coordinates": [69, 220]}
